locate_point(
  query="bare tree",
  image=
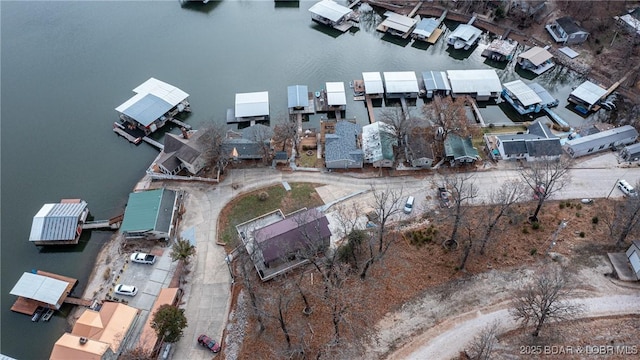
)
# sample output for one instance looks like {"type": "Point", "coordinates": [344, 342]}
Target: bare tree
{"type": "Point", "coordinates": [545, 178]}
{"type": "Point", "coordinates": [285, 133]}
{"type": "Point", "coordinates": [449, 115]}
{"type": "Point", "coordinates": [624, 219]}
{"type": "Point", "coordinates": [386, 203]}
{"type": "Point", "coordinates": [501, 200]}
{"type": "Point", "coordinates": [463, 190]}
{"type": "Point", "coordinates": [210, 140]}
{"type": "Point", "coordinates": [261, 135]}
{"type": "Point", "coordinates": [482, 345]}
{"type": "Point", "coordinates": [403, 123]}
{"type": "Point", "coordinates": [544, 300]}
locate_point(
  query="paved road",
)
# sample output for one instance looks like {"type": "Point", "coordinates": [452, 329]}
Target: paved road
{"type": "Point", "coordinates": [207, 294]}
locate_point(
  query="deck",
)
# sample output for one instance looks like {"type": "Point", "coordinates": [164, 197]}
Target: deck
{"type": "Point", "coordinates": [120, 130]}
{"type": "Point", "coordinates": [435, 36]}
{"type": "Point", "coordinates": [29, 306]}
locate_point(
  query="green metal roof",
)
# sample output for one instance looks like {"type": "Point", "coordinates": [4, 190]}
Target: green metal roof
{"type": "Point", "coordinates": [142, 210]}
{"type": "Point", "coordinates": [458, 148]}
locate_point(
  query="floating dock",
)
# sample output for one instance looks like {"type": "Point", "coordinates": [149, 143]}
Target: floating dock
{"type": "Point", "coordinates": [41, 289]}
{"type": "Point", "coordinates": [111, 224]}
{"type": "Point", "coordinates": [120, 130]}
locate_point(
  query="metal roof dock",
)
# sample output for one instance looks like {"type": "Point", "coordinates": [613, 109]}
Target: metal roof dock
{"type": "Point", "coordinates": [59, 224]}
{"type": "Point", "coordinates": [330, 13]}
{"type": "Point", "coordinates": [300, 100]}
{"type": "Point", "coordinates": [41, 289]}
{"type": "Point", "coordinates": [373, 83]}
{"type": "Point", "coordinates": [250, 107]}
{"type": "Point", "coordinates": [401, 84]}
{"type": "Point", "coordinates": [396, 24]}
{"type": "Point", "coordinates": [464, 36]}
{"type": "Point", "coordinates": [500, 49]}
{"type": "Point", "coordinates": [436, 81]}
{"type": "Point", "coordinates": [481, 84]}
{"type": "Point", "coordinates": [587, 94]}
{"type": "Point", "coordinates": [536, 60]}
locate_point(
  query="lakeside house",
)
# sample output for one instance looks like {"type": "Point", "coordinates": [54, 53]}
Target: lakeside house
{"type": "Point", "coordinates": [330, 13]}
{"type": "Point", "coordinates": [399, 84]}
{"type": "Point", "coordinates": [464, 37]}
{"type": "Point", "coordinates": [630, 21]}
{"type": "Point", "coordinates": [536, 59]}
{"type": "Point", "coordinates": [250, 107]}
{"type": "Point", "coordinates": [527, 98]}
{"type": "Point", "coordinates": [436, 83]}
{"type": "Point", "coordinates": [587, 95]}
{"type": "Point", "coordinates": [378, 142]}
{"type": "Point", "coordinates": [60, 223]}
{"type": "Point", "coordinates": [567, 31]}
{"type": "Point", "coordinates": [500, 50]}
{"type": "Point", "coordinates": [342, 148]}
{"type": "Point", "coordinates": [150, 215]}
{"type": "Point", "coordinates": [397, 24]}
{"type": "Point", "coordinates": [459, 150]}
{"type": "Point", "coordinates": [182, 152]}
{"type": "Point", "coordinates": [251, 143]}
{"type": "Point", "coordinates": [154, 104]}
{"type": "Point", "coordinates": [418, 151]}
{"type": "Point", "coordinates": [482, 85]}
{"type": "Point", "coordinates": [601, 141]}
{"type": "Point", "coordinates": [538, 143]}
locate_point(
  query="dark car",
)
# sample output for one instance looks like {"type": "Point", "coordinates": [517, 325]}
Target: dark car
{"type": "Point", "coordinates": [209, 343]}
{"type": "Point", "coordinates": [444, 197]}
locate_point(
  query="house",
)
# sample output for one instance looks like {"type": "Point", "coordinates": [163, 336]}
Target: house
{"type": "Point", "coordinates": [111, 326]}
{"type": "Point", "coordinates": [538, 143]}
{"type": "Point", "coordinates": [253, 143]}
{"type": "Point", "coordinates": [149, 215]}
{"type": "Point", "coordinates": [397, 24]}
{"type": "Point", "coordinates": [400, 84]}
{"type": "Point", "coordinates": [341, 149]}
{"type": "Point", "coordinates": [459, 150]}
{"type": "Point", "coordinates": [464, 37]}
{"type": "Point", "coordinates": [500, 50]}
{"type": "Point", "coordinates": [185, 151]}
{"type": "Point", "coordinates": [330, 13]}
{"type": "Point", "coordinates": [436, 83]}
{"type": "Point", "coordinates": [536, 59]}
{"type": "Point", "coordinates": [154, 104]}
{"type": "Point", "coordinates": [631, 152]}
{"type": "Point", "coordinates": [565, 30]}
{"type": "Point", "coordinates": [250, 107]}
{"type": "Point", "coordinates": [373, 85]}
{"type": "Point", "coordinates": [59, 224]}
{"type": "Point", "coordinates": [630, 21]}
{"type": "Point", "coordinates": [148, 340]}
{"type": "Point", "coordinates": [306, 231]}
{"type": "Point", "coordinates": [418, 151]}
{"type": "Point", "coordinates": [378, 140]}
{"type": "Point", "coordinates": [633, 254]}
{"type": "Point", "coordinates": [587, 95]}
{"type": "Point", "coordinates": [604, 140]}
{"type": "Point", "coordinates": [482, 85]}
{"type": "Point", "coordinates": [527, 98]}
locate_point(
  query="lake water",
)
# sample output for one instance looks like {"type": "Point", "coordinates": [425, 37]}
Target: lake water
{"type": "Point", "coordinates": [66, 65]}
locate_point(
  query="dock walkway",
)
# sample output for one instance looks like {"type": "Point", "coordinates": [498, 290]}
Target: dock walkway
{"type": "Point", "coordinates": [153, 143]}
{"type": "Point", "coordinates": [369, 103]}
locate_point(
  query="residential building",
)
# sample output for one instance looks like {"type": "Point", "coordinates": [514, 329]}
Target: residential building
{"type": "Point", "coordinates": [378, 142]}
{"type": "Point", "coordinates": [538, 143]}
{"type": "Point", "coordinates": [59, 224]}
{"type": "Point", "coordinates": [536, 59]}
{"type": "Point", "coordinates": [252, 143]}
{"type": "Point", "coordinates": [459, 150]}
{"type": "Point", "coordinates": [182, 152]}
{"type": "Point", "coordinates": [631, 152]}
{"type": "Point", "coordinates": [418, 150]}
{"type": "Point", "coordinates": [342, 148]}
{"type": "Point", "coordinates": [150, 215]}
{"type": "Point", "coordinates": [566, 30]}
{"type": "Point", "coordinates": [601, 141]}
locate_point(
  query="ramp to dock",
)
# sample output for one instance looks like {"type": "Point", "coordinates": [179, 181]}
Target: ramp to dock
{"type": "Point", "coordinates": [369, 103]}
{"type": "Point", "coordinates": [555, 117]}
{"type": "Point", "coordinates": [153, 143]}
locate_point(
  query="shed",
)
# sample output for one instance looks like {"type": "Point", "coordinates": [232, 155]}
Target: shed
{"type": "Point", "coordinates": [481, 84]}
{"type": "Point", "coordinates": [604, 140]}
{"type": "Point", "coordinates": [298, 96]}
{"type": "Point", "coordinates": [252, 105]}
{"type": "Point", "coordinates": [150, 108]}
{"type": "Point", "coordinates": [59, 224]}
{"type": "Point", "coordinates": [633, 254]}
{"type": "Point", "coordinates": [401, 84]}
{"type": "Point", "coordinates": [336, 95]}
{"type": "Point", "coordinates": [43, 289]}
{"type": "Point", "coordinates": [631, 152]}
{"type": "Point", "coordinates": [149, 214]}
{"type": "Point", "coordinates": [373, 83]}
{"type": "Point", "coordinates": [436, 82]}
{"type": "Point", "coordinates": [587, 94]}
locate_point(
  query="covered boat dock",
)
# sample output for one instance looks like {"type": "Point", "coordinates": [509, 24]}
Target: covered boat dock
{"type": "Point", "coordinates": [330, 13]}
{"type": "Point", "coordinates": [537, 60]}
{"type": "Point", "coordinates": [527, 98]}
{"type": "Point", "coordinates": [482, 85]}
{"type": "Point", "coordinates": [250, 107]}
{"type": "Point", "coordinates": [59, 224]}
{"type": "Point", "coordinates": [588, 95]}
{"type": "Point", "coordinates": [436, 82]}
{"type": "Point", "coordinates": [396, 24]}
{"type": "Point", "coordinates": [41, 289]}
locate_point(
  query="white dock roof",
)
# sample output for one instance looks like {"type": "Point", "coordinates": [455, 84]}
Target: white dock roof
{"type": "Point", "coordinates": [398, 22]}
{"type": "Point", "coordinates": [466, 32]}
{"type": "Point", "coordinates": [252, 104]}
{"type": "Point", "coordinates": [40, 288]}
{"type": "Point", "coordinates": [482, 82]}
{"type": "Point", "coordinates": [329, 9]}
{"type": "Point", "coordinates": [373, 83]}
{"type": "Point", "coordinates": [56, 221]}
{"type": "Point", "coordinates": [536, 55]}
{"type": "Point", "coordinates": [426, 27]}
{"type": "Point", "coordinates": [336, 94]}
{"type": "Point", "coordinates": [152, 100]}
{"type": "Point", "coordinates": [401, 82]}
{"type": "Point", "coordinates": [589, 92]}
{"type": "Point", "coordinates": [526, 95]}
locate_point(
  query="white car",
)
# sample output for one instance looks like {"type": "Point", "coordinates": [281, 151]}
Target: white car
{"type": "Point", "coordinates": [127, 290]}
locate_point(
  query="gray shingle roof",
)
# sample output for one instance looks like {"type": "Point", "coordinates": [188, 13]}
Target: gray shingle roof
{"type": "Point", "coordinates": [342, 144]}
{"type": "Point", "coordinates": [569, 25]}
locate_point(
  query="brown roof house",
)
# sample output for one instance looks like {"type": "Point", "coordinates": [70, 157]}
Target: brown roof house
{"type": "Point", "coordinates": [97, 334]}
{"type": "Point", "coordinates": [304, 232]}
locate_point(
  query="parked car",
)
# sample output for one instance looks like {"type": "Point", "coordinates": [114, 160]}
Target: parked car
{"type": "Point", "coordinates": [587, 201]}
{"type": "Point", "coordinates": [626, 188]}
{"type": "Point", "coordinates": [443, 195]}
{"type": "Point", "coordinates": [128, 290]}
{"type": "Point", "coordinates": [408, 206]}
{"type": "Point", "coordinates": [143, 258]}
{"type": "Point", "coordinates": [209, 343]}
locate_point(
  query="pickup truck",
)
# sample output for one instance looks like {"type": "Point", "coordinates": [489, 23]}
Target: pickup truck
{"type": "Point", "coordinates": [143, 258]}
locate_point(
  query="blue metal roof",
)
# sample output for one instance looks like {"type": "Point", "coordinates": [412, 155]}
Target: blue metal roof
{"type": "Point", "coordinates": [435, 80]}
{"type": "Point", "coordinates": [57, 222]}
{"type": "Point", "coordinates": [298, 96]}
{"type": "Point", "coordinates": [148, 109]}
{"type": "Point", "coordinates": [426, 26]}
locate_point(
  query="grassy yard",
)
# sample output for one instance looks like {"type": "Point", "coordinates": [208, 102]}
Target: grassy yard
{"type": "Point", "coordinates": [249, 206]}
{"type": "Point", "coordinates": [308, 160]}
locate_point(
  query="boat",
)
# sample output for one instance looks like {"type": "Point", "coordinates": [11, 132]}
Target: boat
{"type": "Point", "coordinates": [317, 94]}
{"type": "Point", "coordinates": [47, 315]}
{"type": "Point", "coordinates": [37, 314]}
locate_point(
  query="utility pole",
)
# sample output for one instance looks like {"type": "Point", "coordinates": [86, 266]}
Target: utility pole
{"type": "Point", "coordinates": [561, 226]}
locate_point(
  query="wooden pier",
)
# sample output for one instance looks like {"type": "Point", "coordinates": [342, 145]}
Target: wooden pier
{"type": "Point", "coordinates": [153, 143]}
{"type": "Point", "coordinates": [119, 129]}
{"type": "Point", "coordinates": [77, 301]}
{"type": "Point", "coordinates": [369, 104]}
{"type": "Point", "coordinates": [112, 224]}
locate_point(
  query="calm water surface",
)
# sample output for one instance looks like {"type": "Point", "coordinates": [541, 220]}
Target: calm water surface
{"type": "Point", "coordinates": [66, 65]}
